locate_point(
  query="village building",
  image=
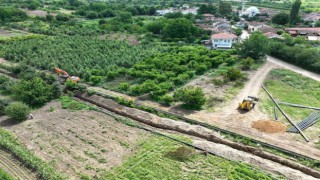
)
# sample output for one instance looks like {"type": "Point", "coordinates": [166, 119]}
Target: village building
{"type": "Point", "coordinates": [303, 31]}
{"type": "Point", "coordinates": [255, 26]}
{"type": "Point", "coordinates": [313, 38]}
{"type": "Point", "coordinates": [250, 12]}
{"type": "Point", "coordinates": [223, 40]}
{"type": "Point", "coordinates": [311, 17]}
{"type": "Point", "coordinates": [208, 17]}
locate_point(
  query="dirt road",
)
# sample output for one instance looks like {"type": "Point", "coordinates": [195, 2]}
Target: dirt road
{"type": "Point", "coordinates": [294, 68]}
{"type": "Point", "coordinates": [13, 167]}
{"type": "Point", "coordinates": [252, 87]}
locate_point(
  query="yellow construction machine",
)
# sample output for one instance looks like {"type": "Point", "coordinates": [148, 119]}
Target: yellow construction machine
{"type": "Point", "coordinates": [248, 103]}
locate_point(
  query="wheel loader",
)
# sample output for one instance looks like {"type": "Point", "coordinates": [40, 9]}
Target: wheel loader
{"type": "Point", "coordinates": [248, 103]}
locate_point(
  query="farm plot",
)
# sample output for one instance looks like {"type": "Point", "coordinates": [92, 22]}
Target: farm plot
{"type": "Point", "coordinates": [78, 143]}
{"type": "Point", "coordinates": [159, 158]}
{"type": "Point", "coordinates": [287, 86]}
{"type": "Point", "coordinates": [164, 72]}
{"type": "Point", "coordinates": [82, 56]}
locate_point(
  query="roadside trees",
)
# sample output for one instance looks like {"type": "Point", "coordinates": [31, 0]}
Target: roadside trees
{"type": "Point", "coordinates": [256, 46]}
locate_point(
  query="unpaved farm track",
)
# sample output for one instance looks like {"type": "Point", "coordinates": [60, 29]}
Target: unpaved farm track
{"type": "Point", "coordinates": [13, 167]}
{"type": "Point", "coordinates": [293, 68]}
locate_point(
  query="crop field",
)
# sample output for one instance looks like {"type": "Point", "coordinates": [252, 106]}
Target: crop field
{"type": "Point", "coordinates": [160, 158]}
{"type": "Point", "coordinates": [81, 56]}
{"type": "Point", "coordinates": [164, 72]}
{"type": "Point", "coordinates": [287, 86]}
{"type": "Point", "coordinates": [76, 141]}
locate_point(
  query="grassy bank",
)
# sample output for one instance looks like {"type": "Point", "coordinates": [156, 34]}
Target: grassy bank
{"type": "Point", "coordinates": [4, 175]}
{"type": "Point", "coordinates": [160, 158]}
{"type": "Point", "coordinates": [287, 86]}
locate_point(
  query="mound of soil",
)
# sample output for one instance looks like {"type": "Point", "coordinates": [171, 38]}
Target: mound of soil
{"type": "Point", "coordinates": [269, 126]}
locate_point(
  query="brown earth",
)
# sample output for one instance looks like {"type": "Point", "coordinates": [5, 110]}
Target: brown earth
{"type": "Point", "coordinates": [81, 142]}
{"type": "Point", "coordinates": [269, 126]}
{"type": "Point", "coordinates": [40, 13]}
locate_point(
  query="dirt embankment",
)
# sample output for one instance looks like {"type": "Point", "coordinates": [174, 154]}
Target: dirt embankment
{"type": "Point", "coordinates": [80, 142]}
{"type": "Point", "coordinates": [194, 130]}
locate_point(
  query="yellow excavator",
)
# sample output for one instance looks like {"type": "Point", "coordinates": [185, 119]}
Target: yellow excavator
{"type": "Point", "coordinates": [248, 103]}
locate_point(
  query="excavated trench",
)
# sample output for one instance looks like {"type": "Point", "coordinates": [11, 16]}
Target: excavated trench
{"type": "Point", "coordinates": [193, 130]}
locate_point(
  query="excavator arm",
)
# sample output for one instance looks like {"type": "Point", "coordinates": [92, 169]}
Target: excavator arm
{"type": "Point", "coordinates": [66, 75]}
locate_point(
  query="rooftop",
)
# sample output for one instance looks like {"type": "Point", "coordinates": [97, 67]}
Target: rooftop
{"type": "Point", "coordinates": [255, 23]}
{"type": "Point", "coordinates": [223, 36]}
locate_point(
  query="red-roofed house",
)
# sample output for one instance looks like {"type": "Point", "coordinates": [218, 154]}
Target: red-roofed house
{"type": "Point", "coordinates": [223, 40]}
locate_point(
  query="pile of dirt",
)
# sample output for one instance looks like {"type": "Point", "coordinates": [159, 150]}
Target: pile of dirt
{"type": "Point", "coordinates": [269, 126]}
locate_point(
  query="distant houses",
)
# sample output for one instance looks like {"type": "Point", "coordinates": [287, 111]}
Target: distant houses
{"type": "Point", "coordinates": [185, 9]}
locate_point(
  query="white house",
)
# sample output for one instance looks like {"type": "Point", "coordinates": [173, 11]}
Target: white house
{"type": "Point", "coordinates": [223, 40]}
{"type": "Point", "coordinates": [250, 12]}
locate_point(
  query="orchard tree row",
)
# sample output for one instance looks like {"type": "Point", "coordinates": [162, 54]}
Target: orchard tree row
{"type": "Point", "coordinates": [78, 55]}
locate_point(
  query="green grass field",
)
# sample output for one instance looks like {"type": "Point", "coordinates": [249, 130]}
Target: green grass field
{"type": "Point", "coordinates": [157, 159]}
{"type": "Point", "coordinates": [287, 86]}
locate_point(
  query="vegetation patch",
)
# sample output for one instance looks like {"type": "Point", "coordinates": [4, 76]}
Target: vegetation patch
{"type": "Point", "coordinates": [5, 176]}
{"type": "Point", "coordinates": [154, 160]}
{"type": "Point", "coordinates": [162, 73]}
{"type": "Point", "coordinates": [68, 103]}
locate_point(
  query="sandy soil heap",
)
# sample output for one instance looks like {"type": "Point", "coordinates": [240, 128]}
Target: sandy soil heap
{"type": "Point", "coordinates": [269, 126]}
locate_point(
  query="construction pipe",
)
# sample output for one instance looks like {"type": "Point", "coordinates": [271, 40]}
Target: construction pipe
{"type": "Point", "coordinates": [298, 105]}
{"type": "Point", "coordinates": [284, 114]}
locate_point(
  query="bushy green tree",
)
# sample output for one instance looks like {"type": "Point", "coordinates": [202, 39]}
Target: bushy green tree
{"type": "Point", "coordinates": [224, 8]}
{"type": "Point", "coordinates": [179, 28]}
{"type": "Point", "coordinates": [17, 111]}
{"type": "Point", "coordinates": [191, 97]}
{"type": "Point", "coordinates": [246, 63]}
{"type": "Point", "coordinates": [281, 18]}
{"type": "Point", "coordinates": [211, 9]}
{"type": "Point", "coordinates": [294, 12]}
{"type": "Point", "coordinates": [33, 92]}
{"type": "Point", "coordinates": [256, 46]}
{"type": "Point", "coordinates": [233, 74]}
